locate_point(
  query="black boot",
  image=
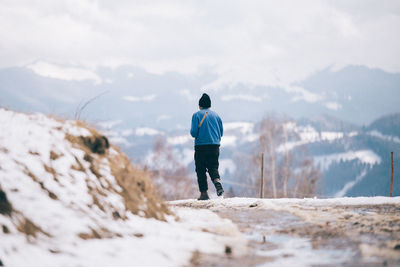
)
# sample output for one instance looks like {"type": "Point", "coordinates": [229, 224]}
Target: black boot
{"type": "Point", "coordinates": [218, 187]}
{"type": "Point", "coordinates": [203, 196]}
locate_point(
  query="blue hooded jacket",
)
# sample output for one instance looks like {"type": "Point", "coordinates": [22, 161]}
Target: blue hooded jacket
{"type": "Point", "coordinates": [211, 130]}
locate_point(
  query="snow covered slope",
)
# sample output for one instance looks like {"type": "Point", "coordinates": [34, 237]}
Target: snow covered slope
{"type": "Point", "coordinates": [68, 198]}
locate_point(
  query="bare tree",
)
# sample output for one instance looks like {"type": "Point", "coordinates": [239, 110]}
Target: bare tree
{"type": "Point", "coordinates": [172, 179]}
{"type": "Point", "coordinates": [288, 172]}
{"type": "Point", "coordinates": [247, 168]}
{"type": "Point", "coordinates": [285, 181]}
{"type": "Point", "coordinates": [271, 134]}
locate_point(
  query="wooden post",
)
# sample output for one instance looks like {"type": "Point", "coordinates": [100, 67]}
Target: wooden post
{"type": "Point", "coordinates": [391, 178]}
{"type": "Point", "coordinates": [262, 176]}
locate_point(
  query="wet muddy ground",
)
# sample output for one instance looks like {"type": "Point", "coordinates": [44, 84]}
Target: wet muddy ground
{"type": "Point", "coordinates": [299, 235]}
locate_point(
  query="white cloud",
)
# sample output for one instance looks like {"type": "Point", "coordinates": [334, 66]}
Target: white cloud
{"type": "Point", "coordinates": [189, 96]}
{"type": "Point", "coordinates": [333, 105]}
{"type": "Point", "coordinates": [163, 118]}
{"type": "Point", "coordinates": [246, 97]}
{"type": "Point", "coordinates": [256, 42]}
{"type": "Point", "coordinates": [228, 140]}
{"type": "Point", "coordinates": [302, 94]}
{"type": "Point", "coordinates": [227, 166]}
{"type": "Point", "coordinates": [109, 124]}
{"type": "Point", "coordinates": [243, 127]}
{"type": "Point", "coordinates": [179, 140]}
{"type": "Point", "coordinates": [147, 131]}
{"type": "Point", "coordinates": [64, 73]}
{"type": "Point", "coordinates": [146, 98]}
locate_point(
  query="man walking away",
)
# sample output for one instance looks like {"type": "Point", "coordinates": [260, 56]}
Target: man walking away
{"type": "Point", "coordinates": [207, 130]}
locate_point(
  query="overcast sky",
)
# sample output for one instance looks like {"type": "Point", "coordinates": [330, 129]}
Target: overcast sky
{"type": "Point", "coordinates": [256, 42]}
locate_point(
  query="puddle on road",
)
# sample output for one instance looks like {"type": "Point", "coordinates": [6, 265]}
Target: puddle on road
{"type": "Point", "coordinates": [294, 251]}
{"type": "Point", "coordinates": [263, 228]}
{"type": "Point", "coordinates": [280, 238]}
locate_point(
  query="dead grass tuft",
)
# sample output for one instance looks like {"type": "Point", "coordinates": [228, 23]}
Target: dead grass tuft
{"type": "Point", "coordinates": [51, 171]}
{"type": "Point", "coordinates": [54, 155]}
{"type": "Point", "coordinates": [27, 227]}
{"type": "Point", "coordinates": [78, 166]}
{"type": "Point", "coordinates": [97, 234]}
{"type": "Point", "coordinates": [138, 191]}
{"type": "Point", "coordinates": [34, 153]}
{"type": "Point", "coordinates": [97, 202]}
{"type": "Point", "coordinates": [95, 143]}
{"type": "Point", "coordinates": [34, 178]}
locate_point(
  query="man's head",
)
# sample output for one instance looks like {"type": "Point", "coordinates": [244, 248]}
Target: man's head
{"type": "Point", "coordinates": [204, 101]}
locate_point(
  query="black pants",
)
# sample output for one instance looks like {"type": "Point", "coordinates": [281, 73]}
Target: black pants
{"type": "Point", "coordinates": [206, 160]}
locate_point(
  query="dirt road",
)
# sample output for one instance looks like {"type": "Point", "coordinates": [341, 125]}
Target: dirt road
{"type": "Point", "coordinates": [307, 233]}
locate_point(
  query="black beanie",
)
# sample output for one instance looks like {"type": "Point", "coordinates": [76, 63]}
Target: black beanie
{"type": "Point", "coordinates": [205, 101]}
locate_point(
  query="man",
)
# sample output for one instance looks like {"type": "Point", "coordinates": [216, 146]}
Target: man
{"type": "Point", "coordinates": [207, 130]}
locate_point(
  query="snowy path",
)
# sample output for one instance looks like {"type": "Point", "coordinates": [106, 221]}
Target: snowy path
{"type": "Point", "coordinates": [296, 232]}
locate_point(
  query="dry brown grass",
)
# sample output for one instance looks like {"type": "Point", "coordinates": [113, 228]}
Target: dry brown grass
{"type": "Point", "coordinates": [27, 227]}
{"type": "Point", "coordinates": [54, 155]}
{"type": "Point", "coordinates": [78, 166]}
{"type": "Point", "coordinates": [97, 234]}
{"type": "Point", "coordinates": [35, 179]}
{"type": "Point", "coordinates": [137, 189]}
{"type": "Point", "coordinates": [51, 171]}
{"type": "Point", "coordinates": [34, 153]}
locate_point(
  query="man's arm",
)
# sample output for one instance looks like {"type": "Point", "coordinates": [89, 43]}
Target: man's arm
{"type": "Point", "coordinates": [194, 130]}
{"type": "Point", "coordinates": [221, 127]}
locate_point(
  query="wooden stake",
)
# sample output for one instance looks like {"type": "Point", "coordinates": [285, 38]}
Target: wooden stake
{"type": "Point", "coordinates": [262, 176]}
{"type": "Point", "coordinates": [391, 179]}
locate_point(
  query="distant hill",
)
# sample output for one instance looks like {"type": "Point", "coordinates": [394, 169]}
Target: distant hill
{"type": "Point", "coordinates": [136, 98]}
{"type": "Point", "coordinates": [359, 163]}
{"type": "Point", "coordinates": [387, 125]}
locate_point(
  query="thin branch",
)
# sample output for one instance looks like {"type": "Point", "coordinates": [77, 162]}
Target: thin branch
{"type": "Point", "coordinates": [79, 109]}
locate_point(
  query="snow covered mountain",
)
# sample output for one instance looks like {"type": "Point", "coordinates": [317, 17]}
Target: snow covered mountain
{"type": "Point", "coordinates": [69, 198]}
{"type": "Point", "coordinates": [354, 160]}
{"type": "Point", "coordinates": [137, 98]}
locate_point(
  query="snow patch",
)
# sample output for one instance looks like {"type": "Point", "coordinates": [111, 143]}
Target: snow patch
{"type": "Point", "coordinates": [179, 140]}
{"type": "Point", "coordinates": [302, 94]}
{"type": "Point", "coordinates": [333, 105]}
{"type": "Point", "coordinates": [351, 184]}
{"type": "Point", "coordinates": [389, 138]}
{"type": "Point", "coordinates": [228, 140]}
{"type": "Point", "coordinates": [243, 127]}
{"type": "Point", "coordinates": [364, 156]}
{"type": "Point", "coordinates": [147, 131]}
{"type": "Point", "coordinates": [64, 73]}
{"type": "Point", "coordinates": [227, 166]}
